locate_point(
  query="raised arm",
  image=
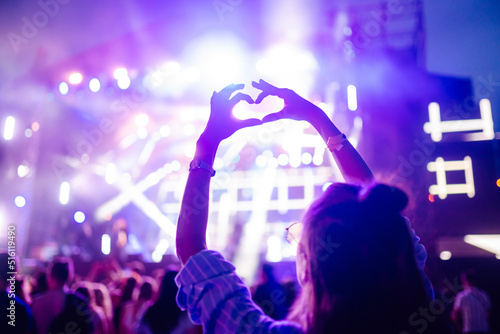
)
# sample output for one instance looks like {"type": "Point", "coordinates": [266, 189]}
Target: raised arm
{"type": "Point", "coordinates": [193, 217]}
{"type": "Point", "coordinates": [351, 164]}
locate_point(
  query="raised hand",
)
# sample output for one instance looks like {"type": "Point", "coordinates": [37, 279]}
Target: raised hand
{"type": "Point", "coordinates": [296, 107]}
{"type": "Point", "coordinates": [222, 123]}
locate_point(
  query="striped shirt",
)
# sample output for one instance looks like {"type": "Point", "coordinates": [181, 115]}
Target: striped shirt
{"type": "Point", "coordinates": [473, 304]}
{"type": "Point", "coordinates": [217, 298]}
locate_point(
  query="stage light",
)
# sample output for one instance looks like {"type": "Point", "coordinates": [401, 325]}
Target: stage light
{"type": "Point", "coordinates": [20, 201]}
{"type": "Point", "coordinates": [22, 170]}
{"type": "Point", "coordinates": [220, 58]}
{"type": "Point", "coordinates": [264, 66]}
{"type": "Point", "coordinates": [120, 73]}
{"type": "Point", "coordinates": [8, 131]}
{"type": "Point", "coordinates": [261, 161]}
{"type": "Point", "coordinates": [488, 242]}
{"type": "Point", "coordinates": [141, 120]}
{"type": "Point", "coordinates": [165, 131]}
{"type": "Point", "coordinates": [283, 159]}
{"type": "Point", "coordinates": [171, 67]}
{"type": "Point", "coordinates": [142, 133]}
{"type": "Point", "coordinates": [111, 173]}
{"type": "Point", "coordinates": [124, 82]}
{"type": "Point", "coordinates": [306, 158]}
{"type": "Point", "coordinates": [79, 217]}
{"type": "Point", "coordinates": [190, 150]}
{"type": "Point", "coordinates": [94, 85]}
{"type": "Point", "coordinates": [218, 163]}
{"type": "Point", "coordinates": [35, 126]}
{"type": "Point", "coordinates": [352, 99]}
{"type": "Point", "coordinates": [192, 74]}
{"type": "Point", "coordinates": [445, 255]}
{"type": "Point", "coordinates": [323, 106]}
{"type": "Point", "coordinates": [295, 161]}
{"type": "Point", "coordinates": [273, 249]}
{"type": "Point", "coordinates": [105, 244]}
{"type": "Point", "coordinates": [75, 78]}
{"type": "Point", "coordinates": [63, 88]}
{"type": "Point", "coordinates": [326, 185]}
{"type": "Point", "coordinates": [64, 193]}
{"type": "Point", "coordinates": [318, 159]}
{"type": "Point", "coordinates": [431, 198]}
{"type": "Point", "coordinates": [498, 183]}
{"type": "Point", "coordinates": [175, 165]}
{"type": "Point", "coordinates": [347, 31]}
{"type": "Point", "coordinates": [160, 249]}
{"type": "Point", "coordinates": [28, 133]}
{"type": "Point", "coordinates": [189, 129]}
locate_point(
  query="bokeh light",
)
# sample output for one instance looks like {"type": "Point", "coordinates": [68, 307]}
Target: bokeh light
{"type": "Point", "coordinates": [63, 88]}
{"type": "Point", "coordinates": [75, 78]}
{"type": "Point", "coordinates": [445, 255]}
{"type": "Point", "coordinates": [79, 217]}
{"type": "Point", "coordinates": [94, 85]}
{"type": "Point", "coordinates": [20, 201]}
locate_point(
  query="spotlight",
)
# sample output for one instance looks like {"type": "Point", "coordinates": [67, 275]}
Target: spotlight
{"type": "Point", "coordinates": [63, 88]}
{"type": "Point", "coordinates": [352, 99]}
{"type": "Point", "coordinates": [105, 244]}
{"type": "Point", "coordinates": [8, 131]}
{"type": "Point", "coordinates": [75, 78]}
{"type": "Point", "coordinates": [445, 255]}
{"type": "Point", "coordinates": [79, 217]}
{"type": "Point", "coordinates": [20, 201]}
{"type": "Point", "coordinates": [124, 82]}
{"type": "Point", "coordinates": [94, 85]}
{"type": "Point", "coordinates": [64, 193]}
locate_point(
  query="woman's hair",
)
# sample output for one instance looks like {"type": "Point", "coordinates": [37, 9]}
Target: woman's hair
{"type": "Point", "coordinates": [361, 274]}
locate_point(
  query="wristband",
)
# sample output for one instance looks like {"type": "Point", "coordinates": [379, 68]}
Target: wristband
{"type": "Point", "coordinates": [336, 143]}
{"type": "Point", "coordinates": [199, 164]}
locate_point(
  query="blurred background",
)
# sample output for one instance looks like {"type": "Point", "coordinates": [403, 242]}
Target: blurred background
{"type": "Point", "coordinates": [102, 102]}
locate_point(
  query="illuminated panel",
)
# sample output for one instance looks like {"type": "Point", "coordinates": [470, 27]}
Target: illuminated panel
{"type": "Point", "coordinates": [352, 99]}
{"type": "Point", "coordinates": [435, 127]}
{"type": "Point", "coordinates": [105, 244]}
{"type": "Point", "coordinates": [488, 242]}
{"type": "Point", "coordinates": [64, 193]}
{"type": "Point", "coordinates": [8, 132]}
{"type": "Point", "coordinates": [442, 189]}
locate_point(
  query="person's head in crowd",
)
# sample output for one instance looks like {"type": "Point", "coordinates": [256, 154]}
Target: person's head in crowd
{"type": "Point", "coordinates": [4, 269]}
{"type": "Point", "coordinates": [103, 299]}
{"type": "Point", "coordinates": [163, 315]}
{"type": "Point", "coordinates": [84, 291]}
{"type": "Point", "coordinates": [128, 289]}
{"type": "Point", "coordinates": [40, 284]}
{"type": "Point", "coordinates": [268, 273]}
{"type": "Point", "coordinates": [469, 278]}
{"type": "Point", "coordinates": [60, 272]}
{"type": "Point", "coordinates": [148, 289]}
{"type": "Point", "coordinates": [355, 259]}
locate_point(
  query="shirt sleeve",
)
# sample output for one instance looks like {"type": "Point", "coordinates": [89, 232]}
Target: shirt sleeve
{"type": "Point", "coordinates": [420, 257]}
{"type": "Point", "coordinates": [217, 298]}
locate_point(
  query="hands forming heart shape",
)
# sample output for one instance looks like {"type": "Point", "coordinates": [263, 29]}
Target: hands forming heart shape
{"type": "Point", "coordinates": [223, 124]}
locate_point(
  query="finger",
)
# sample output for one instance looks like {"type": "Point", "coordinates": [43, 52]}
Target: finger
{"type": "Point", "coordinates": [256, 85]}
{"type": "Point", "coordinates": [241, 97]}
{"type": "Point", "coordinates": [227, 91]}
{"type": "Point", "coordinates": [261, 97]}
{"type": "Point", "coordinates": [249, 122]}
{"type": "Point", "coordinates": [274, 116]}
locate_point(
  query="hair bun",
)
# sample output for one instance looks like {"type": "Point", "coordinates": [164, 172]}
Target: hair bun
{"type": "Point", "coordinates": [382, 197]}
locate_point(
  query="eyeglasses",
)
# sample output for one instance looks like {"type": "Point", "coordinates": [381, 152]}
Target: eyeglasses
{"type": "Point", "coordinates": [294, 233]}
